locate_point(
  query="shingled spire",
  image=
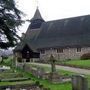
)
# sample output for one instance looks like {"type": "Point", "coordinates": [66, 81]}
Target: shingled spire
{"type": "Point", "coordinates": [37, 20]}
{"type": "Point", "coordinates": [37, 15]}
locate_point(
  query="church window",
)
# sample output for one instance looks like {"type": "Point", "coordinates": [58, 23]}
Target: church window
{"type": "Point", "coordinates": [42, 51]}
{"type": "Point", "coordinates": [79, 49]}
{"type": "Point", "coordinates": [60, 50]}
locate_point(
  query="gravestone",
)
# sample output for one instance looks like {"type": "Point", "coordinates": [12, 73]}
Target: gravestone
{"type": "Point", "coordinates": [40, 72]}
{"type": "Point", "coordinates": [52, 60]}
{"type": "Point", "coordinates": [79, 82]}
{"type": "Point", "coordinates": [54, 76]}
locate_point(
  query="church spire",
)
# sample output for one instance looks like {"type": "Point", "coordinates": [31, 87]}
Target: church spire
{"type": "Point", "coordinates": [37, 20]}
{"type": "Point", "coordinates": [37, 15]}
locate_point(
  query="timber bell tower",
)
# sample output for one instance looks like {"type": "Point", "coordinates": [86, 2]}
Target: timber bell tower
{"type": "Point", "coordinates": [37, 20]}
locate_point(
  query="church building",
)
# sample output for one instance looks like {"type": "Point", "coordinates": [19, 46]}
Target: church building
{"type": "Point", "coordinates": [65, 39]}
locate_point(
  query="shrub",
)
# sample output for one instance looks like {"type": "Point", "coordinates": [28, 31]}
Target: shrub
{"type": "Point", "coordinates": [85, 56]}
{"type": "Point", "coordinates": [37, 83]}
{"type": "Point", "coordinates": [41, 86]}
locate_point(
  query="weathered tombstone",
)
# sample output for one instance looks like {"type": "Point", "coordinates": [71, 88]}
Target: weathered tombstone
{"type": "Point", "coordinates": [79, 82]}
{"type": "Point", "coordinates": [40, 71]}
{"type": "Point", "coordinates": [54, 76]}
{"type": "Point", "coordinates": [52, 60]}
{"type": "Point", "coordinates": [88, 84]}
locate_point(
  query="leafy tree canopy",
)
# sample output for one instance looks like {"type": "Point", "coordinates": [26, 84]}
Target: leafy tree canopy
{"type": "Point", "coordinates": [10, 19]}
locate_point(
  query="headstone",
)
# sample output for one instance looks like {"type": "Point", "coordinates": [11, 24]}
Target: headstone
{"type": "Point", "coordinates": [52, 60]}
{"type": "Point", "coordinates": [54, 76]}
{"type": "Point", "coordinates": [79, 82]}
{"type": "Point", "coordinates": [40, 72]}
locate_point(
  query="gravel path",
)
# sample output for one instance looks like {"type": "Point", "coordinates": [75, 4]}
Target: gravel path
{"type": "Point", "coordinates": [71, 69]}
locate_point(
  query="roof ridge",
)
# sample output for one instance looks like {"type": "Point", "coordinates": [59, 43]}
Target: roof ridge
{"type": "Point", "coordinates": [67, 18]}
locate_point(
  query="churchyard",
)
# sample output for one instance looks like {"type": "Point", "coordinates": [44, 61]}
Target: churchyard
{"type": "Point", "coordinates": [37, 75]}
{"type": "Point", "coordinates": [15, 76]}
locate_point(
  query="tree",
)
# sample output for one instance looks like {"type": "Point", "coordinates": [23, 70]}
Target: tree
{"type": "Point", "coordinates": [10, 20]}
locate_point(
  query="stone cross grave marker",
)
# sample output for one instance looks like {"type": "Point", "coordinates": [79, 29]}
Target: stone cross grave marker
{"type": "Point", "coordinates": [52, 60]}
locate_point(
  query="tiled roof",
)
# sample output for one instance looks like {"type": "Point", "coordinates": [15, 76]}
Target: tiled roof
{"type": "Point", "coordinates": [67, 32]}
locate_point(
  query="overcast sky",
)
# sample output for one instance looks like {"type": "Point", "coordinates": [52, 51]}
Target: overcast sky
{"type": "Point", "coordinates": [53, 9]}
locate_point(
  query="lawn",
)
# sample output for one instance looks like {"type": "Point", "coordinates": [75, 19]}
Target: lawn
{"type": "Point", "coordinates": [16, 83]}
{"type": "Point", "coordinates": [10, 75]}
{"type": "Point", "coordinates": [62, 86]}
{"type": "Point", "coordinates": [48, 69]}
{"type": "Point", "coordinates": [80, 63]}
{"type": "Point", "coordinates": [52, 86]}
{"type": "Point", "coordinates": [45, 83]}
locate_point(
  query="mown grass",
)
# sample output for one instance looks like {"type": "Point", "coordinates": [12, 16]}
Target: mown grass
{"type": "Point", "coordinates": [52, 86]}
{"type": "Point", "coordinates": [80, 63]}
{"type": "Point", "coordinates": [16, 83]}
{"type": "Point", "coordinates": [45, 83]}
{"type": "Point", "coordinates": [62, 86]}
{"type": "Point", "coordinates": [10, 75]}
{"type": "Point", "coordinates": [48, 69]}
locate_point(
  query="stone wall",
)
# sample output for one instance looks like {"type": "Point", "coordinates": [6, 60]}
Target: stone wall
{"type": "Point", "coordinates": [68, 53]}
